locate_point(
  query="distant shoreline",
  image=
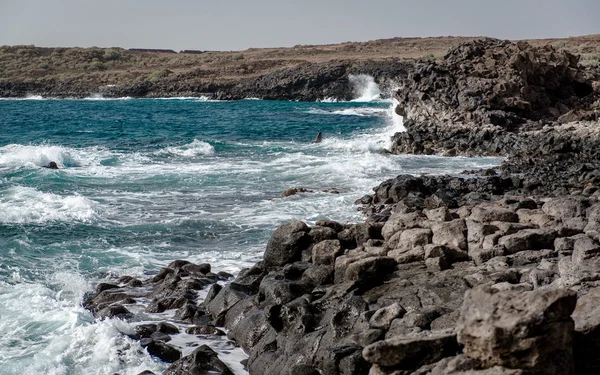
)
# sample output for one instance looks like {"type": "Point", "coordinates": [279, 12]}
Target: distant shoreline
{"type": "Point", "coordinates": [303, 72]}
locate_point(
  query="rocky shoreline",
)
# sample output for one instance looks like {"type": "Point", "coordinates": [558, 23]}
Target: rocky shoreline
{"type": "Point", "coordinates": [306, 81]}
{"type": "Point", "coordinates": [493, 272]}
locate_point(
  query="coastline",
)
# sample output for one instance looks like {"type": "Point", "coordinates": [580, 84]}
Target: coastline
{"type": "Point", "coordinates": [304, 72]}
{"type": "Point", "coordinates": [495, 272]}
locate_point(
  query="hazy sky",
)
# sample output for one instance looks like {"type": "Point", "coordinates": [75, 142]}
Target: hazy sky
{"type": "Point", "coordinates": [235, 24]}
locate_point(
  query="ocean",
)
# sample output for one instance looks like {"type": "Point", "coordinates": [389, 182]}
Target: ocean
{"type": "Point", "coordinates": [142, 182]}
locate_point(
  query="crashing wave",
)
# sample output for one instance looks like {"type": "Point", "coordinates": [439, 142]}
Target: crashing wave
{"type": "Point", "coordinates": [196, 148]}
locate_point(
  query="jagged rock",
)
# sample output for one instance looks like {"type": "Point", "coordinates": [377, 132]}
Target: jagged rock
{"type": "Point", "coordinates": [532, 331]}
{"type": "Point", "coordinates": [587, 333]}
{"type": "Point", "coordinates": [528, 239]}
{"type": "Point", "coordinates": [286, 244]}
{"type": "Point", "coordinates": [319, 234]}
{"type": "Point", "coordinates": [114, 311]}
{"type": "Point", "coordinates": [438, 214]}
{"type": "Point", "coordinates": [325, 252]}
{"type": "Point", "coordinates": [225, 299]}
{"type": "Point", "coordinates": [450, 233]}
{"type": "Point", "coordinates": [410, 353]}
{"type": "Point", "coordinates": [566, 207]}
{"type": "Point", "coordinates": [486, 214]}
{"type": "Point", "coordinates": [202, 361]}
{"type": "Point", "coordinates": [384, 316]}
{"type": "Point", "coordinates": [585, 248]}
{"type": "Point", "coordinates": [402, 222]}
{"type": "Point", "coordinates": [198, 269]}
{"type": "Point", "coordinates": [165, 352]}
{"type": "Point", "coordinates": [369, 270]}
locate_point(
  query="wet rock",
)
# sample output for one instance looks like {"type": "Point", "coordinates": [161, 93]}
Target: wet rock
{"type": "Point", "coordinates": [202, 361]}
{"type": "Point", "coordinates": [197, 269]}
{"type": "Point", "coordinates": [225, 299]}
{"type": "Point", "coordinates": [114, 311]}
{"type": "Point", "coordinates": [294, 191]}
{"type": "Point", "coordinates": [51, 165]}
{"type": "Point", "coordinates": [105, 286]}
{"type": "Point", "coordinates": [159, 336]}
{"type": "Point", "coordinates": [167, 328]}
{"type": "Point", "coordinates": [330, 224]}
{"type": "Point", "coordinates": [205, 330]}
{"type": "Point", "coordinates": [164, 352]}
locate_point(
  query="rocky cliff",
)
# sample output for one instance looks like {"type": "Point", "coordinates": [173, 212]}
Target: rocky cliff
{"type": "Point", "coordinates": [486, 97]}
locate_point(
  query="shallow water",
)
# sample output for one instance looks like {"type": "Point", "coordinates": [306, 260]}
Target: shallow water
{"type": "Point", "coordinates": [144, 182]}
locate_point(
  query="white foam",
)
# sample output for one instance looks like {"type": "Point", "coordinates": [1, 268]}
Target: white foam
{"type": "Point", "coordinates": [365, 88]}
{"type": "Point", "coordinates": [19, 204]}
{"type": "Point", "coordinates": [28, 97]}
{"type": "Point", "coordinates": [94, 97]}
{"type": "Point", "coordinates": [45, 332]}
{"type": "Point", "coordinates": [33, 156]}
{"type": "Point", "coordinates": [190, 150]}
{"type": "Point", "coordinates": [20, 155]}
{"type": "Point", "coordinates": [328, 100]}
{"type": "Point", "coordinates": [207, 99]}
{"type": "Point", "coordinates": [362, 112]}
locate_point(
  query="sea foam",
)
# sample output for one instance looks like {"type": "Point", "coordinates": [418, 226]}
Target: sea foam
{"type": "Point", "coordinates": [189, 150]}
{"type": "Point", "coordinates": [25, 205]}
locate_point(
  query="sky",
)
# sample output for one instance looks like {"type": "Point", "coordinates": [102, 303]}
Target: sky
{"type": "Point", "coordinates": [237, 25]}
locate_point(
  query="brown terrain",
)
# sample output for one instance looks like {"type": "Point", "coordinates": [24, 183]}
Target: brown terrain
{"type": "Point", "coordinates": [270, 73]}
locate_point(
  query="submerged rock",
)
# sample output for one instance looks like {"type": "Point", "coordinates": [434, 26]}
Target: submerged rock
{"type": "Point", "coordinates": [51, 165]}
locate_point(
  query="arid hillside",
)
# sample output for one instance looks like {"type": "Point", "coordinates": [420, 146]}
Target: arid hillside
{"type": "Point", "coordinates": [76, 72]}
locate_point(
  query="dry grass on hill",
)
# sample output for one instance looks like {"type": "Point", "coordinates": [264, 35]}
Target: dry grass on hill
{"type": "Point", "coordinates": [118, 66]}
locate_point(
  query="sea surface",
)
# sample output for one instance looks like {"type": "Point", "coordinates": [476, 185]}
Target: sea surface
{"type": "Point", "coordinates": [143, 182]}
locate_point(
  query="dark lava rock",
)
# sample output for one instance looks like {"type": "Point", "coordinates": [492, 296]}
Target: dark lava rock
{"type": "Point", "coordinates": [164, 352]}
{"type": "Point", "coordinates": [287, 243]}
{"type": "Point", "coordinates": [202, 361]}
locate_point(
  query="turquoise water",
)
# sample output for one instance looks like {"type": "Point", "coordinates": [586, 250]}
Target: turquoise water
{"type": "Point", "coordinates": [144, 182]}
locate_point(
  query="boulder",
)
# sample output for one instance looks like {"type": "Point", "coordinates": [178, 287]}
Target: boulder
{"type": "Point", "coordinates": [286, 244]}
{"type": "Point", "coordinates": [489, 213]}
{"type": "Point", "coordinates": [370, 270]}
{"type": "Point", "coordinates": [159, 349]}
{"type": "Point", "coordinates": [410, 238]}
{"type": "Point", "coordinates": [398, 222]}
{"type": "Point", "coordinates": [587, 333]}
{"type": "Point", "coordinates": [450, 233]}
{"type": "Point", "coordinates": [325, 252]}
{"type": "Point", "coordinates": [528, 239]}
{"type": "Point", "coordinates": [202, 361]}
{"type": "Point", "coordinates": [532, 331]}
{"type": "Point", "coordinates": [410, 353]}
{"type": "Point", "coordinates": [383, 317]}
{"type": "Point", "coordinates": [566, 207]}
